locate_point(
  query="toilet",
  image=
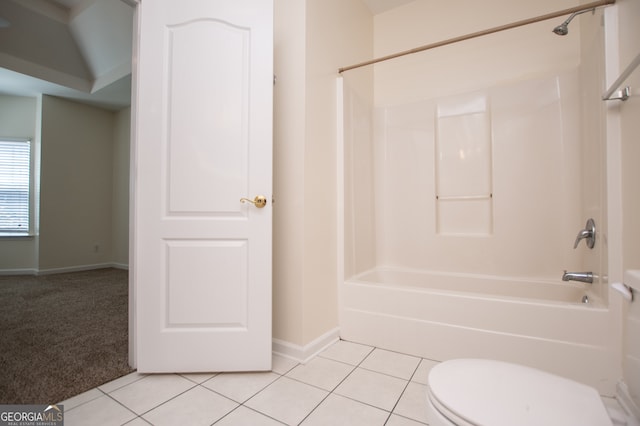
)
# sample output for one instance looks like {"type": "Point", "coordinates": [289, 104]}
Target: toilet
{"type": "Point", "coordinates": [483, 392]}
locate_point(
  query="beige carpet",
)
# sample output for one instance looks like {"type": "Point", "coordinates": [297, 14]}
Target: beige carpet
{"type": "Point", "coordinates": [61, 335]}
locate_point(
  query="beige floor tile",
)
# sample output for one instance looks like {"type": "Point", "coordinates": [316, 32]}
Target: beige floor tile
{"type": "Point", "coordinates": [413, 403]}
{"type": "Point", "coordinates": [121, 381]}
{"type": "Point", "coordinates": [396, 420]}
{"type": "Point", "coordinates": [391, 363]}
{"type": "Point", "coordinates": [422, 372]}
{"type": "Point", "coordinates": [372, 388]}
{"type": "Point", "coordinates": [138, 421]}
{"type": "Point", "coordinates": [287, 400]}
{"type": "Point", "coordinates": [196, 407]}
{"type": "Point", "coordinates": [240, 386]}
{"type": "Point", "coordinates": [321, 372]}
{"type": "Point", "coordinates": [151, 391]}
{"type": "Point", "coordinates": [243, 416]}
{"type": "Point", "coordinates": [337, 410]}
{"type": "Point", "coordinates": [198, 377]}
{"type": "Point", "coordinates": [282, 365]}
{"type": "Point", "coordinates": [102, 411]}
{"type": "Point", "coordinates": [347, 352]}
{"type": "Point", "coordinates": [81, 399]}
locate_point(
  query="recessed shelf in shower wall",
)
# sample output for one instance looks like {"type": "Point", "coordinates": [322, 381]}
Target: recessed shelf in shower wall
{"type": "Point", "coordinates": [464, 202]}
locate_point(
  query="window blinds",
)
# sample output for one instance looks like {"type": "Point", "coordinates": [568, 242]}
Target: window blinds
{"type": "Point", "coordinates": [15, 160]}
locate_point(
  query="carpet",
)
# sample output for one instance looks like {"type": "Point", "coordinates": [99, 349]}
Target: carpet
{"type": "Point", "coordinates": [62, 334]}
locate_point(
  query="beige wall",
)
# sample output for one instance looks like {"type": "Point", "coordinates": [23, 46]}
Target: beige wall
{"type": "Point", "coordinates": [481, 62]}
{"type": "Point", "coordinates": [313, 39]}
{"type": "Point", "coordinates": [76, 182]}
{"type": "Point", "coordinates": [120, 190]}
{"type": "Point", "coordinates": [288, 168]}
{"type": "Point", "coordinates": [18, 120]}
{"type": "Point", "coordinates": [84, 185]}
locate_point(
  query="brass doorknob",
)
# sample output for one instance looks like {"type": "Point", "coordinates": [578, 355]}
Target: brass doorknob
{"type": "Point", "coordinates": [260, 201]}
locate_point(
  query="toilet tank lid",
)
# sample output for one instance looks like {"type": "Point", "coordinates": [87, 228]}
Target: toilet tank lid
{"type": "Point", "coordinates": [489, 392]}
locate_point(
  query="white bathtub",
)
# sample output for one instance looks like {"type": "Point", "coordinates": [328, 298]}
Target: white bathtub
{"type": "Point", "coordinates": [441, 316]}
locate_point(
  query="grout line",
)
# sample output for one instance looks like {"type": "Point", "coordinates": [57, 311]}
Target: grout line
{"type": "Point", "coordinates": [164, 402]}
{"type": "Point", "coordinates": [136, 418]}
{"type": "Point", "coordinates": [404, 390]}
{"type": "Point", "coordinates": [140, 377]}
{"type": "Point", "coordinates": [85, 402]}
{"type": "Point", "coordinates": [127, 408]}
{"type": "Point", "coordinates": [315, 408]}
{"type": "Point", "coordinates": [358, 365]}
{"type": "Point", "coordinates": [248, 408]}
{"type": "Point", "coordinates": [262, 389]}
{"type": "Point", "coordinates": [330, 392]}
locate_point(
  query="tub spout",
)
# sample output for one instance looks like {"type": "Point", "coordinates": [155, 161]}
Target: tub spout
{"type": "Point", "coordinates": [585, 277]}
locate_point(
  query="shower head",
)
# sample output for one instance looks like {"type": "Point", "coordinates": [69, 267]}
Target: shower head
{"type": "Point", "coordinates": [563, 29]}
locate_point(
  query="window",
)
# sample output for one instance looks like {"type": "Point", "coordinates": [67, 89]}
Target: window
{"type": "Point", "coordinates": [15, 178]}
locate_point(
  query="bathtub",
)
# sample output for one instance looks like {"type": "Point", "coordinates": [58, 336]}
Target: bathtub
{"type": "Point", "coordinates": [440, 316]}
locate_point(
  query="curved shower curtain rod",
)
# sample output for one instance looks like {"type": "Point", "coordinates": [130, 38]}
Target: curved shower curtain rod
{"type": "Point", "coordinates": [557, 14]}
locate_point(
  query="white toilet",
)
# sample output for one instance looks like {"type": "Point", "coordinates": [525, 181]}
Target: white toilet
{"type": "Point", "coordinates": [474, 392]}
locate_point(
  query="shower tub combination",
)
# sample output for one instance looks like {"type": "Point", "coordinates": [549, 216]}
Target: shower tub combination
{"type": "Point", "coordinates": [500, 295]}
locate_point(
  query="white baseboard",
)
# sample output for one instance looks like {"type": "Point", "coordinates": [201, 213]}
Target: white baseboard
{"type": "Point", "coordinates": [628, 404]}
{"type": "Point", "coordinates": [26, 271]}
{"type": "Point", "coordinates": [32, 271]}
{"type": "Point", "coordinates": [79, 268]}
{"type": "Point", "coordinates": [123, 266]}
{"type": "Point", "coordinates": [303, 354]}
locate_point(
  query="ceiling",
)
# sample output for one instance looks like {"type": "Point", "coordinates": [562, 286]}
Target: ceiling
{"type": "Point", "coordinates": [77, 49]}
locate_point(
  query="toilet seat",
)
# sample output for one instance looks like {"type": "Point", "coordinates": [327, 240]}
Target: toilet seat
{"type": "Point", "coordinates": [474, 392]}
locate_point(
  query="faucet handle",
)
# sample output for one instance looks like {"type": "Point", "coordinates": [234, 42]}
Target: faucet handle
{"type": "Point", "coordinates": [588, 234]}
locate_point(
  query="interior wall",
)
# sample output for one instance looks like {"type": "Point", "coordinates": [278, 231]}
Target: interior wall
{"type": "Point", "coordinates": [461, 67]}
{"type": "Point", "coordinates": [288, 168]}
{"type": "Point", "coordinates": [18, 120]}
{"type": "Point", "coordinates": [349, 40]}
{"type": "Point", "coordinates": [313, 39]}
{"type": "Point", "coordinates": [76, 186]}
{"type": "Point", "coordinates": [83, 189]}
{"type": "Point", "coordinates": [120, 194]}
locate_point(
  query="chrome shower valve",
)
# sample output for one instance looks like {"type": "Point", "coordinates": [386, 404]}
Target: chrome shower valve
{"type": "Point", "coordinates": [588, 234]}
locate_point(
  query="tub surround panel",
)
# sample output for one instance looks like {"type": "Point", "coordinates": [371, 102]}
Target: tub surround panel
{"type": "Point", "coordinates": [463, 166]}
{"type": "Point", "coordinates": [592, 134]}
{"type": "Point", "coordinates": [631, 359]}
{"type": "Point", "coordinates": [622, 46]}
{"type": "Point", "coordinates": [502, 194]}
{"type": "Point", "coordinates": [359, 193]}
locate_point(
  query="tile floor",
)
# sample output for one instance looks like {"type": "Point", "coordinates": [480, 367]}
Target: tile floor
{"type": "Point", "coordinates": [347, 384]}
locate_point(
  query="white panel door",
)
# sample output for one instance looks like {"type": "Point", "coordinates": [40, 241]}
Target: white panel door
{"type": "Point", "coordinates": [201, 264]}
